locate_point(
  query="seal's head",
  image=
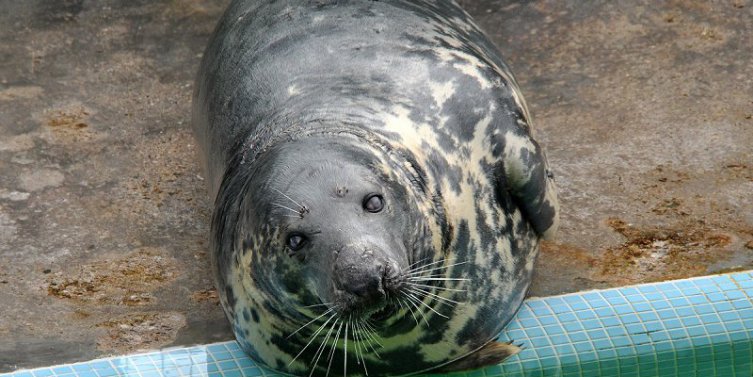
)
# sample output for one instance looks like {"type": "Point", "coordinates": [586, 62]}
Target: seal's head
{"type": "Point", "coordinates": [330, 242]}
{"type": "Point", "coordinates": [342, 223]}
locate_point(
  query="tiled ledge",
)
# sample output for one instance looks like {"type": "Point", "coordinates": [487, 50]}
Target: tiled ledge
{"type": "Point", "coordinates": [696, 327]}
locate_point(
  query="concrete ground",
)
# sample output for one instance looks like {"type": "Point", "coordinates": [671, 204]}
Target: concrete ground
{"type": "Point", "coordinates": [645, 109]}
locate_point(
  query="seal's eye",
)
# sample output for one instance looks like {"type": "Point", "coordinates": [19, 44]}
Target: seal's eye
{"type": "Point", "coordinates": [296, 241]}
{"type": "Point", "coordinates": [373, 203]}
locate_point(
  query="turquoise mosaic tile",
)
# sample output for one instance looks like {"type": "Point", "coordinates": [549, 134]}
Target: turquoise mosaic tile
{"type": "Point", "coordinates": [699, 327]}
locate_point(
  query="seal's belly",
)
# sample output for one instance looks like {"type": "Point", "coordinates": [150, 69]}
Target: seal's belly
{"type": "Point", "coordinates": [378, 197]}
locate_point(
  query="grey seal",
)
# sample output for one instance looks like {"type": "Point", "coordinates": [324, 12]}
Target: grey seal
{"type": "Point", "coordinates": [378, 197]}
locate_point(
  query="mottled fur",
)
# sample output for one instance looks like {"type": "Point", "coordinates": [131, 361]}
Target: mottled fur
{"type": "Point", "coordinates": [310, 98]}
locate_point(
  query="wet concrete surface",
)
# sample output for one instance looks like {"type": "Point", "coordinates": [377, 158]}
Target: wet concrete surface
{"type": "Point", "coordinates": [645, 109]}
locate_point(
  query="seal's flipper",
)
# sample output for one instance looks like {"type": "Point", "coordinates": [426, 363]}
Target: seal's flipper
{"type": "Point", "coordinates": [491, 354]}
{"type": "Point", "coordinates": [526, 176]}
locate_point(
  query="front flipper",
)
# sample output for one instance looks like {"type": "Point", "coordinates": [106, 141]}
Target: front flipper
{"type": "Point", "coordinates": [492, 353]}
{"type": "Point", "coordinates": [526, 177]}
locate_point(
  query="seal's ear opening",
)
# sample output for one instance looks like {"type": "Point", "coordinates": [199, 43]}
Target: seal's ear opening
{"type": "Point", "coordinates": [526, 175]}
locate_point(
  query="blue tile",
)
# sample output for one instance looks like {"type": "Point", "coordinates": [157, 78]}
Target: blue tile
{"type": "Point", "coordinates": [149, 373]}
{"type": "Point", "coordinates": [733, 326]}
{"type": "Point", "coordinates": [654, 297]}
{"type": "Point", "coordinates": [222, 355]}
{"type": "Point", "coordinates": [42, 372]}
{"type": "Point", "coordinates": [723, 306]}
{"type": "Point", "coordinates": [616, 331]}
{"type": "Point", "coordinates": [596, 334]}
{"type": "Point", "coordinates": [696, 331]}
{"type": "Point", "coordinates": [648, 316]}
{"type": "Point", "coordinates": [635, 299]}
{"type": "Point", "coordinates": [640, 338]}
{"type": "Point", "coordinates": [545, 352]}
{"type": "Point", "coordinates": [573, 326]}
{"type": "Point", "coordinates": [567, 317]}
{"type": "Point", "coordinates": [660, 305]}
{"type": "Point", "coordinates": [559, 339]}
{"type": "Point", "coordinates": [630, 318]}
{"type": "Point", "coordinates": [63, 369]}
{"type": "Point", "coordinates": [602, 344]}
{"type": "Point", "coordinates": [81, 368]}
{"type": "Point", "coordinates": [214, 348]}
{"type": "Point", "coordinates": [107, 372]}
{"type": "Point", "coordinates": [591, 324]}
{"type": "Point", "coordinates": [642, 307]}
{"type": "Point", "coordinates": [560, 309]}
{"type": "Point", "coordinates": [232, 373]}
{"type": "Point", "coordinates": [617, 300]}
{"type": "Point", "coordinates": [586, 355]}
{"type": "Point", "coordinates": [653, 326]}
{"type": "Point", "coordinates": [583, 346]}
{"type": "Point", "coordinates": [672, 323]}
{"type": "Point", "coordinates": [704, 308]}
{"type": "Point", "coordinates": [227, 364]}
{"type": "Point", "coordinates": [621, 341]}
{"type": "Point", "coordinates": [553, 330]}
{"type": "Point", "coordinates": [245, 362]}
{"type": "Point", "coordinates": [734, 295]}
{"type": "Point", "coordinates": [610, 321]}
{"type": "Point", "coordinates": [666, 314]}
{"type": "Point", "coordinates": [690, 321]}
{"type": "Point", "coordinates": [564, 349]}
{"type": "Point", "coordinates": [579, 306]}
{"type": "Point", "coordinates": [540, 342]}
{"type": "Point", "coordinates": [529, 323]}
{"type": "Point", "coordinates": [533, 332]}
{"type": "Point", "coordinates": [680, 302]}
{"type": "Point", "coordinates": [647, 289]}
{"type": "Point", "coordinates": [659, 336]}
{"type": "Point", "coordinates": [715, 328]}
{"type": "Point", "coordinates": [672, 293]}
{"type": "Point", "coordinates": [608, 363]}
{"type": "Point", "coordinates": [580, 336]}
{"type": "Point", "coordinates": [548, 320]}
{"type": "Point", "coordinates": [516, 334]}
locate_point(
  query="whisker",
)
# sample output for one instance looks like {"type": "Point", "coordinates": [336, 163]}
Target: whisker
{"type": "Point", "coordinates": [409, 309]}
{"type": "Point", "coordinates": [437, 279]}
{"type": "Point", "coordinates": [313, 336]}
{"type": "Point", "coordinates": [434, 269]}
{"type": "Point", "coordinates": [424, 267]}
{"type": "Point", "coordinates": [289, 198]}
{"type": "Point", "coordinates": [413, 300]}
{"type": "Point", "coordinates": [320, 351]}
{"type": "Point", "coordinates": [417, 262]}
{"type": "Point", "coordinates": [370, 338]}
{"type": "Point", "coordinates": [434, 287]}
{"type": "Point", "coordinates": [310, 322]}
{"type": "Point", "coordinates": [334, 347]}
{"type": "Point", "coordinates": [315, 305]}
{"type": "Point", "coordinates": [426, 305]}
{"type": "Point", "coordinates": [345, 348]}
{"type": "Point", "coordinates": [446, 301]}
{"type": "Point", "coordinates": [358, 340]}
{"type": "Point", "coordinates": [286, 207]}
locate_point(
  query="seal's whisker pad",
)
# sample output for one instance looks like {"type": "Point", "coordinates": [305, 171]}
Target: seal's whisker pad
{"type": "Point", "coordinates": [378, 197]}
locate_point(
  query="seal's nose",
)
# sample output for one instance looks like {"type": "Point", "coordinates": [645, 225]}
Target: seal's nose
{"type": "Point", "coordinates": [361, 273]}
